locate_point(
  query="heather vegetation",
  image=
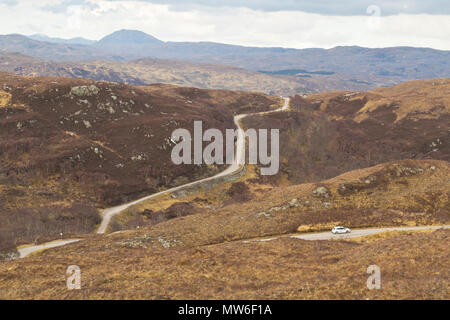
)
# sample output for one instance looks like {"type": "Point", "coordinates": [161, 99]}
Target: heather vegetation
{"type": "Point", "coordinates": [331, 133]}
{"type": "Point", "coordinates": [69, 148]}
{"type": "Point", "coordinates": [362, 160]}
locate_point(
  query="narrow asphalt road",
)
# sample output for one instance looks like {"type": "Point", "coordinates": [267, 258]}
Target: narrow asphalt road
{"type": "Point", "coordinates": [233, 168]}
{"type": "Point", "coordinates": [353, 234]}
{"type": "Point", "coordinates": [111, 212]}
{"type": "Point", "coordinates": [25, 251]}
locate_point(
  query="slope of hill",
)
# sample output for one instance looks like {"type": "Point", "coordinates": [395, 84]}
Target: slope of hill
{"type": "Point", "coordinates": [406, 192]}
{"type": "Point", "coordinates": [129, 44]}
{"type": "Point", "coordinates": [202, 75]}
{"type": "Point", "coordinates": [69, 146]}
{"type": "Point", "coordinates": [324, 135]}
{"type": "Point", "coordinates": [200, 256]}
{"type": "Point", "coordinates": [330, 133]}
{"type": "Point", "coordinates": [147, 71]}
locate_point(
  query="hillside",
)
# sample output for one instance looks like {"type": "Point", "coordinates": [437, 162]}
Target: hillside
{"type": "Point", "coordinates": [281, 269]}
{"type": "Point", "coordinates": [407, 192]}
{"type": "Point", "coordinates": [200, 256]}
{"type": "Point", "coordinates": [148, 71]}
{"type": "Point", "coordinates": [184, 73]}
{"type": "Point", "coordinates": [330, 133]}
{"type": "Point", "coordinates": [68, 147]}
{"type": "Point", "coordinates": [369, 159]}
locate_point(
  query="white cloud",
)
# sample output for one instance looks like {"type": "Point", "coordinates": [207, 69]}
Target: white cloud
{"type": "Point", "coordinates": [95, 18]}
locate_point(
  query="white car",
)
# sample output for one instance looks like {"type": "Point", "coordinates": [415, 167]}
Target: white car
{"type": "Point", "coordinates": [340, 230]}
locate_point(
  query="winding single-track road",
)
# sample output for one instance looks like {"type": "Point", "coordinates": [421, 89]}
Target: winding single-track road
{"type": "Point", "coordinates": [356, 233]}
{"type": "Point", "coordinates": [231, 169]}
{"type": "Point", "coordinates": [107, 214]}
{"type": "Point", "coordinates": [27, 250]}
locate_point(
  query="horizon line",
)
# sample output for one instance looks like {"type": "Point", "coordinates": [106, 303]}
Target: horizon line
{"type": "Point", "coordinates": [215, 42]}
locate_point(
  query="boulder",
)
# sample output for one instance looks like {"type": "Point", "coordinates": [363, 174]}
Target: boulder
{"type": "Point", "coordinates": [321, 192]}
{"type": "Point", "coordinates": [83, 91]}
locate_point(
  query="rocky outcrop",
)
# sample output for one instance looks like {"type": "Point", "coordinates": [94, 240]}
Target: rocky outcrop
{"type": "Point", "coordinates": [84, 91]}
{"type": "Point", "coordinates": [322, 192]}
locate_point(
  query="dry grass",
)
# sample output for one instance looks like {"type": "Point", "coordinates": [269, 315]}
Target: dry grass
{"type": "Point", "coordinates": [419, 97]}
{"type": "Point", "coordinates": [60, 151]}
{"type": "Point", "coordinates": [203, 198]}
{"type": "Point", "coordinates": [387, 235]}
{"type": "Point", "coordinates": [198, 257]}
{"type": "Point", "coordinates": [422, 99]}
{"type": "Point", "coordinates": [413, 266]}
{"type": "Point", "coordinates": [416, 199]}
{"type": "Point", "coordinates": [5, 98]}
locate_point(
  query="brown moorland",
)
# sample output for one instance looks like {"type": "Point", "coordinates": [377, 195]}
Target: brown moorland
{"type": "Point", "coordinates": [413, 266]}
{"type": "Point", "coordinates": [201, 256]}
{"type": "Point", "coordinates": [185, 73]}
{"type": "Point", "coordinates": [401, 193]}
{"type": "Point", "coordinates": [326, 134]}
{"type": "Point", "coordinates": [69, 146]}
{"type": "Point", "coordinates": [189, 245]}
{"type": "Point", "coordinates": [148, 71]}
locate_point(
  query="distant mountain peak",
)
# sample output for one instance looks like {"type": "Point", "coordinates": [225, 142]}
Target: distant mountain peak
{"type": "Point", "coordinates": [125, 36]}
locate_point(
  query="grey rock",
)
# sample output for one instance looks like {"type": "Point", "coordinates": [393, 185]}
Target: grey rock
{"type": "Point", "coordinates": [322, 192]}
{"type": "Point", "coordinates": [83, 91]}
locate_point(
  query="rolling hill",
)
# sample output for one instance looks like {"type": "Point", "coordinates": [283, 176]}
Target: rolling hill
{"type": "Point", "coordinates": [70, 146]}
{"type": "Point", "coordinates": [148, 71]}
{"type": "Point", "coordinates": [329, 133]}
{"type": "Point", "coordinates": [378, 158]}
{"type": "Point", "coordinates": [202, 256]}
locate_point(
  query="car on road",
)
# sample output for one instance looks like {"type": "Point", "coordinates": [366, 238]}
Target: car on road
{"type": "Point", "coordinates": [340, 230]}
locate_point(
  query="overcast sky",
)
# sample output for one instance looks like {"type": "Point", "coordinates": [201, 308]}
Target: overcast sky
{"type": "Point", "coordinates": [284, 23]}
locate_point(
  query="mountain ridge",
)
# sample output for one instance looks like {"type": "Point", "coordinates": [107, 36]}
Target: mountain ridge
{"type": "Point", "coordinates": [76, 40]}
{"type": "Point", "coordinates": [340, 68]}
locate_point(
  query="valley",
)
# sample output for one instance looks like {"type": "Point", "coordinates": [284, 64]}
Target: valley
{"type": "Point", "coordinates": [224, 159]}
{"type": "Point", "coordinates": [401, 191]}
{"type": "Point", "coordinates": [86, 175]}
